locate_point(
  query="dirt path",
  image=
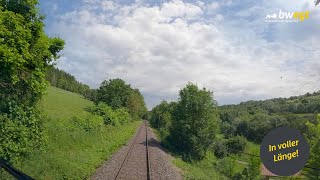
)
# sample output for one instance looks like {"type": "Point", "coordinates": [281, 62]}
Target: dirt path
{"type": "Point", "coordinates": [135, 166]}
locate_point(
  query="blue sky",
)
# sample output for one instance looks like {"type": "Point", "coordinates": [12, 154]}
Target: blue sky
{"type": "Point", "coordinates": [159, 46]}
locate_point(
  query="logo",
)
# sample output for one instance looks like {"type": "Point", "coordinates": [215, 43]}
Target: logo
{"type": "Point", "coordinates": [287, 17]}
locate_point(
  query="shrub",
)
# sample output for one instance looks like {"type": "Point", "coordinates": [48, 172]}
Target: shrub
{"type": "Point", "coordinates": [220, 150]}
{"type": "Point", "coordinates": [122, 116]}
{"type": "Point", "coordinates": [238, 176]}
{"type": "Point", "coordinates": [21, 132]}
{"type": "Point", "coordinates": [236, 145]}
{"type": "Point", "coordinates": [227, 166]}
{"type": "Point", "coordinates": [88, 123]}
{"type": "Point", "coordinates": [110, 116]}
{"type": "Point", "coordinates": [229, 130]}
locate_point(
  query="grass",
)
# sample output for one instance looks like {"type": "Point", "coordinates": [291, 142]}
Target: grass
{"type": "Point", "coordinates": [61, 105]}
{"type": "Point", "coordinates": [251, 148]}
{"type": "Point", "coordinates": [72, 152]}
{"type": "Point", "coordinates": [203, 169]}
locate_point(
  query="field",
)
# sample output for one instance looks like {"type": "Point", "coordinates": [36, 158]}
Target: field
{"type": "Point", "coordinates": [71, 151]}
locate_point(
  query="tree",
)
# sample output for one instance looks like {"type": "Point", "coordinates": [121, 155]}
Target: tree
{"type": "Point", "coordinates": [136, 104]}
{"type": "Point", "coordinates": [114, 92]}
{"type": "Point", "coordinates": [25, 53]}
{"type": "Point", "coordinates": [236, 144]}
{"type": "Point", "coordinates": [117, 94]}
{"type": "Point", "coordinates": [195, 122]}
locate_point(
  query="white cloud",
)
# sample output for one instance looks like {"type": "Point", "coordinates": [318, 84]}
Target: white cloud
{"type": "Point", "coordinates": [158, 49]}
{"type": "Point", "coordinates": [213, 6]}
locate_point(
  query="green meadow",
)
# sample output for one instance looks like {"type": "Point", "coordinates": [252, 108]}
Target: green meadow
{"type": "Point", "coordinates": [72, 151]}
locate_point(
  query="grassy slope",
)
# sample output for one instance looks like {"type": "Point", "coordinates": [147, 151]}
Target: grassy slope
{"type": "Point", "coordinates": [75, 153]}
{"type": "Point", "coordinates": [61, 105]}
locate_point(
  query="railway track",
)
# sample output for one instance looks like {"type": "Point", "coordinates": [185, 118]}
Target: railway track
{"type": "Point", "coordinates": [136, 164]}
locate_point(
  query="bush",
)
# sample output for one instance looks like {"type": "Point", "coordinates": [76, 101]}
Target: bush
{"type": "Point", "coordinates": [21, 132]}
{"type": "Point", "coordinates": [122, 116]}
{"type": "Point", "coordinates": [110, 116]}
{"type": "Point", "coordinates": [220, 149]}
{"type": "Point", "coordinates": [238, 176]}
{"type": "Point", "coordinates": [236, 145]}
{"type": "Point", "coordinates": [227, 166]}
{"type": "Point", "coordinates": [88, 123]}
{"type": "Point", "coordinates": [229, 130]}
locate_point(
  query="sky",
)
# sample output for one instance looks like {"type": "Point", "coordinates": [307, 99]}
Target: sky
{"type": "Point", "coordinates": [159, 46]}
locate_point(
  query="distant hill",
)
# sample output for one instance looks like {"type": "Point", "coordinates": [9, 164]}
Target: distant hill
{"type": "Point", "coordinates": [253, 119]}
{"type": "Point", "coordinates": [307, 103]}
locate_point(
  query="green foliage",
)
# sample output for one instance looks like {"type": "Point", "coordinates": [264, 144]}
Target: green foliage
{"type": "Point", "coordinates": [254, 168]}
{"type": "Point", "coordinates": [313, 137]}
{"type": "Point", "coordinates": [236, 145]}
{"type": "Point", "coordinates": [21, 132]}
{"type": "Point", "coordinates": [110, 116]}
{"type": "Point", "coordinates": [220, 149]}
{"type": "Point", "coordinates": [114, 92]}
{"type": "Point", "coordinates": [200, 170]}
{"type": "Point", "coordinates": [249, 122]}
{"type": "Point", "coordinates": [161, 118]}
{"type": "Point", "coordinates": [77, 142]}
{"type": "Point", "coordinates": [25, 53]}
{"type": "Point", "coordinates": [229, 130]}
{"type": "Point", "coordinates": [253, 119]}
{"type": "Point", "coordinates": [195, 122]}
{"type": "Point", "coordinates": [89, 123]}
{"type": "Point", "coordinates": [117, 94]}
{"type": "Point", "coordinates": [60, 79]}
{"type": "Point", "coordinates": [233, 145]}
{"type": "Point", "coordinates": [136, 104]}
{"type": "Point", "coordinates": [123, 116]}
{"type": "Point", "coordinates": [227, 166]}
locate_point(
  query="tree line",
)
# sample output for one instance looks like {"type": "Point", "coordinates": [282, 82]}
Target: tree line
{"type": "Point", "coordinates": [60, 79]}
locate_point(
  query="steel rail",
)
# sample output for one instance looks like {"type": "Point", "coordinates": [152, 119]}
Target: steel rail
{"type": "Point", "coordinates": [130, 150]}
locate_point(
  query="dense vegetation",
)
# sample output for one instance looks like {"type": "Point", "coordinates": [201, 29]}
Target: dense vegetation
{"type": "Point", "coordinates": [119, 95]}
{"type": "Point", "coordinates": [77, 141]}
{"type": "Point", "coordinates": [184, 127]}
{"type": "Point", "coordinates": [25, 53]}
{"type": "Point", "coordinates": [60, 79]}
{"type": "Point", "coordinates": [253, 119]}
{"type": "Point", "coordinates": [190, 128]}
